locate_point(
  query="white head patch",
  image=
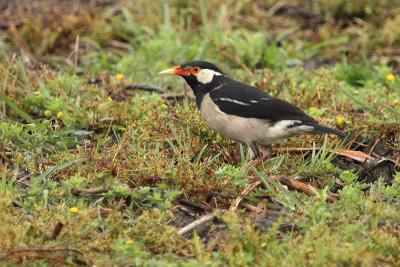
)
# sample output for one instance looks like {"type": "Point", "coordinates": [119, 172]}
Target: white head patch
{"type": "Point", "coordinates": [206, 75]}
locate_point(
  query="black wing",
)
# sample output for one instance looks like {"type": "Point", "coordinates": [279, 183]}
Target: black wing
{"type": "Point", "coordinates": [246, 101]}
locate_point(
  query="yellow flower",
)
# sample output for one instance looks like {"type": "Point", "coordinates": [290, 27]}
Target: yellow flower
{"type": "Point", "coordinates": [36, 93]}
{"type": "Point", "coordinates": [340, 120]}
{"type": "Point", "coordinates": [395, 102]}
{"type": "Point", "coordinates": [312, 108]}
{"type": "Point", "coordinates": [110, 99]}
{"type": "Point", "coordinates": [263, 244]}
{"type": "Point", "coordinates": [119, 77]}
{"type": "Point", "coordinates": [347, 244]}
{"type": "Point", "coordinates": [390, 77]}
{"type": "Point", "coordinates": [59, 115]}
{"type": "Point", "coordinates": [74, 209]}
{"type": "Point", "coordinates": [228, 33]}
{"type": "Point", "coordinates": [130, 241]}
{"type": "Point", "coordinates": [164, 106]}
{"type": "Point", "coordinates": [47, 113]}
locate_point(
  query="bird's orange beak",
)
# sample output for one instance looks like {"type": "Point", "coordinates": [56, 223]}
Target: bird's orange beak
{"type": "Point", "coordinates": [176, 71]}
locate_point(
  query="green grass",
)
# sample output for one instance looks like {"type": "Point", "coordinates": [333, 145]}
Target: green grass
{"type": "Point", "coordinates": [67, 129]}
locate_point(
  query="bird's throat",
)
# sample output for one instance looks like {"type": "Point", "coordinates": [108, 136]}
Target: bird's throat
{"type": "Point", "coordinates": [200, 89]}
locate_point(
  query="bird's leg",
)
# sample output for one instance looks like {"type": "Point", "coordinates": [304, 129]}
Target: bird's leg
{"type": "Point", "coordinates": [254, 151]}
{"type": "Point", "coordinates": [266, 151]}
{"type": "Point", "coordinates": [255, 156]}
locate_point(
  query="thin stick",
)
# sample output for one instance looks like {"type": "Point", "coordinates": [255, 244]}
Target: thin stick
{"type": "Point", "coordinates": [238, 60]}
{"type": "Point", "coordinates": [243, 65]}
{"type": "Point", "coordinates": [373, 147]}
{"type": "Point", "coordinates": [205, 219]}
{"type": "Point", "coordinates": [76, 53]}
{"type": "Point", "coordinates": [251, 208]}
{"type": "Point", "coordinates": [246, 191]}
{"type": "Point", "coordinates": [195, 205]}
{"type": "Point", "coordinates": [294, 184]}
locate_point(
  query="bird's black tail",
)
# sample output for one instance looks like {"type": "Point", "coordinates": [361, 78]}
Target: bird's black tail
{"type": "Point", "coordinates": [325, 129]}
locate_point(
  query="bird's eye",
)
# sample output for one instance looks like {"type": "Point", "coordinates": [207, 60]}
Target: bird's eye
{"type": "Point", "coordinates": [195, 70]}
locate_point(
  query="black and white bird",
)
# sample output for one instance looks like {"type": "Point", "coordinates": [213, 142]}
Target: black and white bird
{"type": "Point", "coordinates": [242, 112]}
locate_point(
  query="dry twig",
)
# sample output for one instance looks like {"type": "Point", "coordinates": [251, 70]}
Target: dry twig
{"type": "Point", "coordinates": [195, 205]}
{"type": "Point", "coordinates": [246, 191]}
{"type": "Point", "coordinates": [294, 184]}
{"type": "Point", "coordinates": [76, 54]}
{"type": "Point", "coordinates": [205, 219]}
{"type": "Point", "coordinates": [251, 208]}
{"type": "Point", "coordinates": [238, 60]}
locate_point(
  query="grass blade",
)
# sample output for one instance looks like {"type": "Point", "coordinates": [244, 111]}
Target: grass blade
{"type": "Point", "coordinates": [57, 168]}
{"type": "Point", "coordinates": [243, 158]}
{"type": "Point", "coordinates": [363, 104]}
{"type": "Point", "coordinates": [199, 155]}
{"type": "Point", "coordinates": [4, 181]}
{"type": "Point", "coordinates": [395, 113]}
{"type": "Point", "coordinates": [28, 84]}
{"type": "Point", "coordinates": [176, 135]}
{"type": "Point", "coordinates": [266, 180]}
{"type": "Point", "coordinates": [14, 107]}
{"type": "Point", "coordinates": [42, 87]}
{"type": "Point", "coordinates": [204, 19]}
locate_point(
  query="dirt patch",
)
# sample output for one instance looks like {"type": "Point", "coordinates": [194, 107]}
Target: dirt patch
{"type": "Point", "coordinates": [382, 166]}
{"type": "Point", "coordinates": [184, 216]}
{"type": "Point", "coordinates": [263, 220]}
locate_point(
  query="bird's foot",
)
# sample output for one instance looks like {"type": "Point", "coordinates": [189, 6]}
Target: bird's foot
{"type": "Point", "coordinates": [267, 151]}
{"type": "Point", "coordinates": [257, 157]}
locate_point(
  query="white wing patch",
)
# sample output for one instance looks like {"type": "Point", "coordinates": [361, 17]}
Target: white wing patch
{"type": "Point", "coordinates": [262, 99]}
{"type": "Point", "coordinates": [206, 75]}
{"type": "Point", "coordinates": [233, 101]}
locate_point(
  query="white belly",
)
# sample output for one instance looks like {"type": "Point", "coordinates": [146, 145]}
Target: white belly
{"type": "Point", "coordinates": [246, 130]}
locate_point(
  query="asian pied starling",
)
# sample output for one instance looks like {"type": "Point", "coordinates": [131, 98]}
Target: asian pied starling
{"type": "Point", "coordinates": [242, 112]}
